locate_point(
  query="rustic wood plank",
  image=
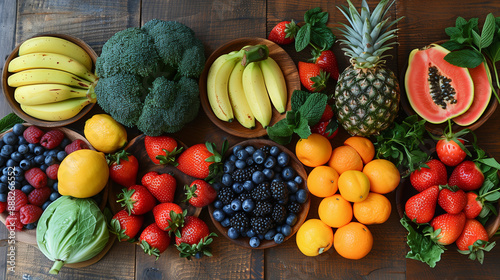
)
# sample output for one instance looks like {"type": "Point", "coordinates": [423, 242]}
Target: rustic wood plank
{"type": "Point", "coordinates": [7, 44]}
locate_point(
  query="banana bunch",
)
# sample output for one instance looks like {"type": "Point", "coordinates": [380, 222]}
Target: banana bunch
{"type": "Point", "coordinates": [53, 78]}
{"type": "Point", "coordinates": [243, 86]}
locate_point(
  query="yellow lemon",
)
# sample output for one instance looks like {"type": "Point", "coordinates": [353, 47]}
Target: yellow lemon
{"type": "Point", "coordinates": [314, 237]}
{"type": "Point", "coordinates": [83, 173]}
{"type": "Point", "coordinates": [104, 133]}
{"type": "Point", "coordinates": [354, 185]}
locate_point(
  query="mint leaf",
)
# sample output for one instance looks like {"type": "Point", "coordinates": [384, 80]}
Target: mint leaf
{"type": "Point", "coordinates": [303, 129]}
{"type": "Point", "coordinates": [460, 22]}
{"type": "Point", "coordinates": [476, 38]}
{"type": "Point", "coordinates": [303, 37]}
{"type": "Point", "coordinates": [322, 36]}
{"type": "Point", "coordinates": [280, 129]}
{"type": "Point", "coordinates": [9, 121]}
{"type": "Point", "coordinates": [311, 15]}
{"type": "Point", "coordinates": [422, 248]}
{"type": "Point", "coordinates": [466, 58]}
{"type": "Point", "coordinates": [488, 31]}
{"type": "Point", "coordinates": [452, 45]}
{"type": "Point", "coordinates": [313, 108]}
{"type": "Point", "coordinates": [298, 99]}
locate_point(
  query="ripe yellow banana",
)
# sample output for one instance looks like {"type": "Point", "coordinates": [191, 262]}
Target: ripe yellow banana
{"type": "Point", "coordinates": [57, 111]}
{"type": "Point", "coordinates": [275, 83]}
{"type": "Point", "coordinates": [256, 94]}
{"type": "Point", "coordinates": [239, 103]}
{"type": "Point", "coordinates": [46, 76]}
{"type": "Point", "coordinates": [47, 93]}
{"type": "Point", "coordinates": [56, 45]}
{"type": "Point", "coordinates": [51, 61]}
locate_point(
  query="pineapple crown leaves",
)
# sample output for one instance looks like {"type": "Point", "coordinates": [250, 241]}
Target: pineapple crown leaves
{"type": "Point", "coordinates": [116, 157]}
{"type": "Point", "coordinates": [176, 222]}
{"type": "Point", "coordinates": [125, 199]}
{"type": "Point", "coordinates": [476, 250]}
{"type": "Point", "coordinates": [150, 250]}
{"type": "Point", "coordinates": [187, 250]}
{"type": "Point", "coordinates": [169, 157]}
{"type": "Point", "coordinates": [216, 168]}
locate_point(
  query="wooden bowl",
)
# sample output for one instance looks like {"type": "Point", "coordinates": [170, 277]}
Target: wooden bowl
{"type": "Point", "coordinates": [8, 91]}
{"type": "Point", "coordinates": [301, 216]}
{"type": "Point", "coordinates": [284, 61]}
{"type": "Point", "coordinates": [437, 129]}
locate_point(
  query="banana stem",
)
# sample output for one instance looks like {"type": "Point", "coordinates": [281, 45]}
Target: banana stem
{"type": "Point", "coordinates": [254, 53]}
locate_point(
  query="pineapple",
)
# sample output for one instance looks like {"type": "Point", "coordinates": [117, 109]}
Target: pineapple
{"type": "Point", "coordinates": [367, 93]}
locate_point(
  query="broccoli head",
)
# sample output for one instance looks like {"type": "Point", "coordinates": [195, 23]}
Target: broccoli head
{"type": "Point", "coordinates": [148, 76]}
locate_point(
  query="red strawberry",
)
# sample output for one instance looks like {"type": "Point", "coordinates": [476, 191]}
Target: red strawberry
{"type": "Point", "coordinates": [3, 206]}
{"type": "Point", "coordinates": [421, 207]}
{"type": "Point", "coordinates": [13, 222]}
{"type": "Point", "coordinates": [51, 171]}
{"type": "Point", "coordinates": [473, 240]}
{"type": "Point", "coordinates": [284, 32]}
{"type": "Point", "coordinates": [126, 226]}
{"type": "Point", "coordinates": [447, 227]}
{"type": "Point", "coordinates": [20, 199]}
{"type": "Point", "coordinates": [161, 186]}
{"type": "Point", "coordinates": [474, 206]}
{"type": "Point", "coordinates": [36, 177]}
{"type": "Point", "coordinates": [162, 149]}
{"type": "Point", "coordinates": [153, 240]}
{"type": "Point", "coordinates": [202, 161]}
{"type": "Point", "coordinates": [33, 134]}
{"type": "Point", "coordinates": [30, 213]}
{"type": "Point", "coordinates": [449, 152]}
{"type": "Point", "coordinates": [76, 145]}
{"type": "Point", "coordinates": [327, 61]}
{"type": "Point", "coordinates": [327, 114]}
{"type": "Point", "coordinates": [452, 199]}
{"type": "Point", "coordinates": [123, 168]}
{"type": "Point", "coordinates": [136, 200]}
{"type": "Point", "coordinates": [169, 217]}
{"type": "Point", "coordinates": [194, 239]}
{"type": "Point", "coordinates": [312, 77]}
{"type": "Point", "coordinates": [329, 129]}
{"type": "Point", "coordinates": [52, 139]}
{"type": "Point", "coordinates": [200, 193]}
{"type": "Point", "coordinates": [466, 176]}
{"type": "Point", "coordinates": [425, 177]}
{"type": "Point", "coordinates": [39, 196]}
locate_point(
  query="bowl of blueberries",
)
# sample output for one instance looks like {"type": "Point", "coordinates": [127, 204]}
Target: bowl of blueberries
{"type": "Point", "coordinates": [262, 197]}
{"type": "Point", "coordinates": [29, 160]}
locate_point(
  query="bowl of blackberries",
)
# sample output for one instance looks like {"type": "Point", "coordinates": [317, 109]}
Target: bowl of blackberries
{"type": "Point", "coordinates": [262, 198]}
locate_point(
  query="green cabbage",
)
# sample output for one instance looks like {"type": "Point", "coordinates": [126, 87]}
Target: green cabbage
{"type": "Point", "coordinates": [71, 230]}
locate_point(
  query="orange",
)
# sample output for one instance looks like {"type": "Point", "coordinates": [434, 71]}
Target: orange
{"type": "Point", "coordinates": [314, 237]}
{"type": "Point", "coordinates": [345, 158]}
{"type": "Point", "coordinates": [353, 241]}
{"type": "Point", "coordinates": [384, 176]}
{"type": "Point", "coordinates": [322, 181]}
{"type": "Point", "coordinates": [354, 186]}
{"type": "Point", "coordinates": [335, 211]}
{"type": "Point", "coordinates": [375, 209]}
{"type": "Point", "coordinates": [363, 146]}
{"type": "Point", "coordinates": [313, 151]}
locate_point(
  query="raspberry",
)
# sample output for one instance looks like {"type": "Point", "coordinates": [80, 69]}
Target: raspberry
{"type": "Point", "coordinates": [33, 134]}
{"type": "Point", "coordinates": [52, 139]}
{"type": "Point", "coordinates": [30, 213]}
{"type": "Point", "coordinates": [20, 199]}
{"type": "Point", "coordinates": [39, 196]}
{"type": "Point", "coordinates": [13, 222]}
{"type": "Point", "coordinates": [51, 171]}
{"type": "Point", "coordinates": [3, 206]}
{"type": "Point", "coordinates": [36, 177]}
{"type": "Point", "coordinates": [77, 144]}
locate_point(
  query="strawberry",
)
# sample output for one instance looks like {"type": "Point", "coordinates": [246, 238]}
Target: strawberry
{"type": "Point", "coordinates": [421, 207]}
{"type": "Point", "coordinates": [153, 240]}
{"type": "Point", "coordinates": [329, 129]}
{"type": "Point", "coordinates": [76, 145]}
{"type": "Point", "coordinates": [200, 193]}
{"type": "Point", "coordinates": [36, 177]}
{"type": "Point", "coordinates": [3, 206]}
{"type": "Point", "coordinates": [312, 77]}
{"type": "Point", "coordinates": [449, 152]}
{"type": "Point", "coordinates": [33, 134]}
{"type": "Point", "coordinates": [137, 200]}
{"type": "Point", "coordinates": [434, 174]}
{"type": "Point", "coordinates": [327, 114]}
{"type": "Point", "coordinates": [194, 239]}
{"type": "Point", "coordinates": [327, 61]}
{"type": "Point", "coordinates": [52, 138]}
{"type": "Point", "coordinates": [447, 227]}
{"type": "Point", "coordinates": [169, 217]}
{"type": "Point", "coordinates": [39, 196]}
{"type": "Point", "coordinates": [162, 149]}
{"type": "Point", "coordinates": [20, 199]}
{"type": "Point", "coordinates": [473, 240]}
{"type": "Point", "coordinates": [126, 226]}
{"type": "Point", "coordinates": [123, 168]}
{"type": "Point", "coordinates": [284, 32]}
{"type": "Point", "coordinates": [30, 213]}
{"type": "Point", "coordinates": [474, 205]}
{"type": "Point", "coordinates": [161, 186]}
{"type": "Point", "coordinates": [466, 176]}
{"type": "Point", "coordinates": [13, 222]}
{"type": "Point", "coordinates": [202, 161]}
{"type": "Point", "coordinates": [452, 199]}
{"type": "Point", "coordinates": [51, 171]}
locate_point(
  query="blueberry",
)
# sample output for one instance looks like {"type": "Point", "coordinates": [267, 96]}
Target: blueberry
{"type": "Point", "coordinates": [254, 242]}
{"type": "Point", "coordinates": [25, 164]}
{"type": "Point", "coordinates": [219, 215]}
{"type": "Point", "coordinates": [232, 158]}
{"type": "Point", "coordinates": [291, 219]}
{"type": "Point", "coordinates": [248, 205]}
{"type": "Point", "coordinates": [238, 187]}
{"type": "Point", "coordinates": [227, 209]}
{"type": "Point", "coordinates": [242, 154]}
{"type": "Point", "coordinates": [21, 140]}
{"type": "Point", "coordinates": [249, 161]}
{"type": "Point", "coordinates": [53, 196]}
{"type": "Point", "coordinates": [229, 166]}
{"type": "Point", "coordinates": [16, 156]}
{"type": "Point", "coordinates": [27, 189]}
{"type": "Point", "coordinates": [61, 155]}
{"type": "Point", "coordinates": [286, 230]}
{"type": "Point", "coordinates": [18, 129]}
{"type": "Point", "coordinates": [4, 187]}
{"type": "Point", "coordinates": [217, 186]}
{"type": "Point", "coordinates": [250, 149]}
{"type": "Point", "coordinates": [32, 146]}
{"type": "Point", "coordinates": [38, 150]}
{"type": "Point", "coordinates": [227, 179]}
{"type": "Point", "coordinates": [53, 152]}
{"type": "Point", "coordinates": [248, 185]}
{"type": "Point", "coordinates": [260, 236]}
{"type": "Point", "coordinates": [226, 222]}
{"type": "Point", "coordinates": [10, 138]}
{"type": "Point", "coordinates": [292, 186]}
{"type": "Point", "coordinates": [259, 156]}
{"type": "Point", "coordinates": [43, 167]}
{"type": "Point", "coordinates": [6, 151]}
{"type": "Point", "coordinates": [277, 177]}
{"type": "Point", "coordinates": [283, 159]}
{"type": "Point", "coordinates": [6, 170]}
{"type": "Point", "coordinates": [30, 226]}
{"type": "Point", "coordinates": [39, 159]}
{"type": "Point", "coordinates": [217, 203]}
{"type": "Point", "coordinates": [4, 179]}
{"type": "Point", "coordinates": [270, 162]}
{"type": "Point", "coordinates": [3, 197]}
{"type": "Point", "coordinates": [240, 164]}
{"type": "Point", "coordinates": [2, 161]}
{"type": "Point", "coordinates": [270, 234]}
{"type": "Point", "coordinates": [274, 151]}
{"type": "Point", "coordinates": [288, 173]}
{"type": "Point", "coordinates": [278, 238]}
{"type": "Point", "coordinates": [233, 233]}
{"type": "Point", "coordinates": [258, 177]}
{"type": "Point", "coordinates": [49, 160]}
{"type": "Point", "coordinates": [250, 233]}
{"type": "Point", "coordinates": [23, 149]}
{"type": "Point", "coordinates": [65, 142]}
{"type": "Point", "coordinates": [236, 149]}
{"type": "Point", "coordinates": [299, 180]}
{"type": "Point", "coordinates": [269, 173]}
{"type": "Point", "coordinates": [301, 196]}
{"type": "Point", "coordinates": [55, 186]}
{"type": "Point", "coordinates": [199, 255]}
{"type": "Point", "coordinates": [46, 204]}
{"type": "Point", "coordinates": [236, 205]}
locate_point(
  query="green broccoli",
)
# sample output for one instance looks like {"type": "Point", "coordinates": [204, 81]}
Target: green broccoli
{"type": "Point", "coordinates": [148, 76]}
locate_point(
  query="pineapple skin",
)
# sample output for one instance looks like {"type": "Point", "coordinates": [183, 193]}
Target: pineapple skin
{"type": "Point", "coordinates": [366, 100]}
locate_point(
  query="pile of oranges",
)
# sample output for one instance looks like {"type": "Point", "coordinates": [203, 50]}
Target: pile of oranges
{"type": "Point", "coordinates": [352, 185]}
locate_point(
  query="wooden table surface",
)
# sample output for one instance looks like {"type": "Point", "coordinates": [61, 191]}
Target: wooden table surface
{"type": "Point", "coordinates": [216, 22]}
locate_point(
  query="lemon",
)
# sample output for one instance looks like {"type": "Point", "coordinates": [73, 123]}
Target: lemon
{"type": "Point", "coordinates": [83, 173]}
{"type": "Point", "coordinates": [314, 237]}
{"type": "Point", "coordinates": [104, 133]}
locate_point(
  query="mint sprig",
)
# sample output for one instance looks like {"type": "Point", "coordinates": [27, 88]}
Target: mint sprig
{"type": "Point", "coordinates": [314, 31]}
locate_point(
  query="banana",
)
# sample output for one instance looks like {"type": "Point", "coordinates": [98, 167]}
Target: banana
{"type": "Point", "coordinates": [237, 97]}
{"type": "Point", "coordinates": [47, 93]}
{"type": "Point", "coordinates": [275, 83]}
{"type": "Point", "coordinates": [56, 45]}
{"type": "Point", "coordinates": [57, 111]}
{"type": "Point", "coordinates": [256, 93]}
{"type": "Point", "coordinates": [51, 61]}
{"type": "Point", "coordinates": [46, 76]}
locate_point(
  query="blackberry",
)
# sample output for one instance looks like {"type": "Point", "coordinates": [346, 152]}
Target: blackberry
{"type": "Point", "coordinates": [262, 208]}
{"type": "Point", "coordinates": [279, 213]}
{"type": "Point", "coordinates": [225, 195]}
{"type": "Point", "coordinates": [261, 192]}
{"type": "Point", "coordinates": [240, 221]}
{"type": "Point", "coordinates": [279, 191]}
{"type": "Point", "coordinates": [244, 196]}
{"type": "Point", "coordinates": [261, 225]}
{"type": "Point", "coordinates": [266, 149]}
{"type": "Point", "coordinates": [293, 207]}
{"type": "Point", "coordinates": [242, 175]}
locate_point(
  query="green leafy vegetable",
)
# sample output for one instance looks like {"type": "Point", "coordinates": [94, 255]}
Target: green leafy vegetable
{"type": "Point", "coordinates": [314, 31]}
{"type": "Point", "coordinates": [9, 121]}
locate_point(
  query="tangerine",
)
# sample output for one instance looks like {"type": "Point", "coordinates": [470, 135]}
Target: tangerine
{"type": "Point", "coordinates": [363, 146]}
{"type": "Point", "coordinates": [335, 211]}
{"type": "Point", "coordinates": [384, 176]}
{"type": "Point", "coordinates": [322, 181]}
{"type": "Point", "coordinates": [353, 241]}
{"type": "Point", "coordinates": [313, 151]}
{"type": "Point", "coordinates": [345, 158]}
{"type": "Point", "coordinates": [314, 237]}
{"type": "Point", "coordinates": [375, 209]}
{"type": "Point", "coordinates": [354, 186]}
